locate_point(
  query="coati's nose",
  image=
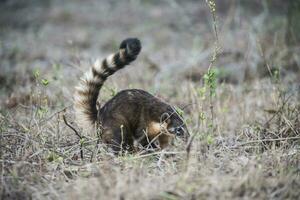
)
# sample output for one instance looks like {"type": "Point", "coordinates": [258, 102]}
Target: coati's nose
{"type": "Point", "coordinates": [178, 131]}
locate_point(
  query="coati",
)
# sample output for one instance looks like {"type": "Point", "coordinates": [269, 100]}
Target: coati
{"type": "Point", "coordinates": [131, 115]}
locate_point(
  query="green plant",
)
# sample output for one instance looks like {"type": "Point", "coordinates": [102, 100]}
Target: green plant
{"type": "Point", "coordinates": [210, 78]}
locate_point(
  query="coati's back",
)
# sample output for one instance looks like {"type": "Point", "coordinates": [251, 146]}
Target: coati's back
{"type": "Point", "coordinates": [131, 114]}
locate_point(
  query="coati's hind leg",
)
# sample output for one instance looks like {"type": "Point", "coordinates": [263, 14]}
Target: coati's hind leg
{"type": "Point", "coordinates": [121, 139]}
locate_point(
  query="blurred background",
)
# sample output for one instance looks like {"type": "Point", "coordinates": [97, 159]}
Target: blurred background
{"type": "Point", "coordinates": [247, 133]}
{"type": "Point", "coordinates": [61, 38]}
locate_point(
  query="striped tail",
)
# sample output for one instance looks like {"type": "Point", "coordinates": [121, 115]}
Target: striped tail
{"type": "Point", "coordinates": [87, 91]}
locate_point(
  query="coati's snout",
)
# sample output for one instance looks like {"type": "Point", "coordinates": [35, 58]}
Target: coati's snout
{"type": "Point", "coordinates": [175, 125]}
{"type": "Point", "coordinates": [179, 131]}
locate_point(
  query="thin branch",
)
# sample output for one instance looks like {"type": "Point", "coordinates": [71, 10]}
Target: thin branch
{"type": "Point", "coordinates": [189, 145]}
{"type": "Point", "coordinates": [71, 127]}
{"type": "Point", "coordinates": [265, 140]}
{"type": "Point", "coordinates": [78, 134]}
{"type": "Point", "coordinates": [56, 112]}
{"type": "Point", "coordinates": [158, 153]}
{"type": "Point", "coordinates": [278, 111]}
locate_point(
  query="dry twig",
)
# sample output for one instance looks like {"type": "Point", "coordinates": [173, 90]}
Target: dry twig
{"type": "Point", "coordinates": [76, 133]}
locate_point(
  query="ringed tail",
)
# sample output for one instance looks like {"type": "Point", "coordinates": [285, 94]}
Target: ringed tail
{"type": "Point", "coordinates": [87, 91]}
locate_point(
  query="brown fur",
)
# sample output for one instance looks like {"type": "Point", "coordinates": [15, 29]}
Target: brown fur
{"type": "Point", "coordinates": [131, 114]}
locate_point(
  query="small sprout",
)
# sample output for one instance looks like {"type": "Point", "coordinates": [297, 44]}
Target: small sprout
{"type": "Point", "coordinates": [36, 73]}
{"type": "Point", "coordinates": [202, 116]}
{"type": "Point", "coordinates": [41, 112]}
{"type": "Point", "coordinates": [201, 92]}
{"type": "Point", "coordinates": [276, 75]}
{"type": "Point", "coordinates": [179, 111]}
{"type": "Point", "coordinates": [209, 140]}
{"type": "Point", "coordinates": [211, 5]}
{"type": "Point", "coordinates": [81, 141]}
{"type": "Point", "coordinates": [53, 157]}
{"type": "Point", "coordinates": [45, 82]}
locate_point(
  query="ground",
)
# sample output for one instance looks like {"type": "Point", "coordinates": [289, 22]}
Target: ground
{"type": "Point", "coordinates": [243, 114]}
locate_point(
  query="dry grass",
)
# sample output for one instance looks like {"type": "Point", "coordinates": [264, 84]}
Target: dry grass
{"type": "Point", "coordinates": [252, 149]}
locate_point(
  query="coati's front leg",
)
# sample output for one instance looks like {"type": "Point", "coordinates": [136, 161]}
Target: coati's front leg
{"type": "Point", "coordinates": [164, 140]}
{"type": "Point", "coordinates": [142, 138]}
{"type": "Point", "coordinates": [149, 135]}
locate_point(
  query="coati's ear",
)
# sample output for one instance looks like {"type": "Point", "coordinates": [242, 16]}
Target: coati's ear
{"type": "Point", "coordinates": [164, 117]}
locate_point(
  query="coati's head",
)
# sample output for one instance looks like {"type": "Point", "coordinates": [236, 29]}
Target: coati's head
{"type": "Point", "coordinates": [175, 124]}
